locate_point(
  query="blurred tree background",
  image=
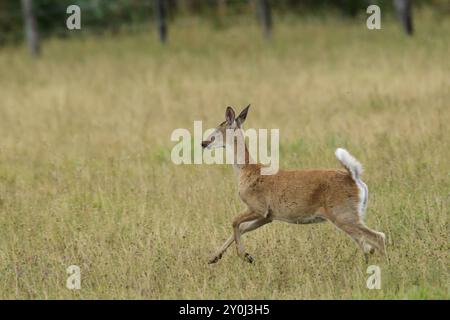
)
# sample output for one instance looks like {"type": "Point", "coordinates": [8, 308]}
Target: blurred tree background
{"type": "Point", "coordinates": [112, 15]}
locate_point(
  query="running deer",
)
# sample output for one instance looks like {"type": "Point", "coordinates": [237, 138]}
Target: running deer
{"type": "Point", "coordinates": [300, 196]}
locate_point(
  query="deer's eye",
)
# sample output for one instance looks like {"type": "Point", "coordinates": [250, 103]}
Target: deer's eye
{"type": "Point", "coordinates": [213, 138]}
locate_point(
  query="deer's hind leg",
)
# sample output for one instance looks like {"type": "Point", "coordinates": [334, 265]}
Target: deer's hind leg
{"type": "Point", "coordinates": [349, 221]}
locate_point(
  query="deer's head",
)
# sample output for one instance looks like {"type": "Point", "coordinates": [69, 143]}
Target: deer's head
{"type": "Point", "coordinates": [218, 138]}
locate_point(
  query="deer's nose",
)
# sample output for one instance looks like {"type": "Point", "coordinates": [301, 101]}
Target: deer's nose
{"type": "Point", "coordinates": [205, 144]}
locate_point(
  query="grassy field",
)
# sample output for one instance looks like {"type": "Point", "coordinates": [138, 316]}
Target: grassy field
{"type": "Point", "coordinates": [86, 177]}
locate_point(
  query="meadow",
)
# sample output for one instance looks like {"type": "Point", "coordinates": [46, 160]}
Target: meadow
{"type": "Point", "coordinates": [86, 177]}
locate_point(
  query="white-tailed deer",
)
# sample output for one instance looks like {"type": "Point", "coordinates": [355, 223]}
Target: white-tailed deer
{"type": "Point", "coordinates": [299, 196]}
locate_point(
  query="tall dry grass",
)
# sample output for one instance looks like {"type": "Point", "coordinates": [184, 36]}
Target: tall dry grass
{"type": "Point", "coordinates": [86, 176]}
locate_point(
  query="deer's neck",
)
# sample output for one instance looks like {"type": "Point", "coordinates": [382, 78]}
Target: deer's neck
{"type": "Point", "coordinates": [241, 156]}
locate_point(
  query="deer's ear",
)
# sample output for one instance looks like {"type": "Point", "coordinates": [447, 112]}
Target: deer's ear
{"type": "Point", "coordinates": [242, 116]}
{"type": "Point", "coordinates": [230, 115]}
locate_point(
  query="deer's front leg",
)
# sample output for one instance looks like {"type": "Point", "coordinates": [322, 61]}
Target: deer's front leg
{"type": "Point", "coordinates": [245, 227]}
{"type": "Point", "coordinates": [247, 216]}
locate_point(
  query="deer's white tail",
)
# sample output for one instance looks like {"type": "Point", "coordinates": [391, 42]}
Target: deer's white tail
{"type": "Point", "coordinates": [350, 163]}
{"type": "Point", "coordinates": [354, 167]}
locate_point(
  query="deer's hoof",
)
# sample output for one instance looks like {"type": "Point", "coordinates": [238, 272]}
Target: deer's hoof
{"type": "Point", "coordinates": [214, 259]}
{"type": "Point", "coordinates": [249, 258]}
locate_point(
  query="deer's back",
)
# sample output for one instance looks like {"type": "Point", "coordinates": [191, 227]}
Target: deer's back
{"type": "Point", "coordinates": [294, 194]}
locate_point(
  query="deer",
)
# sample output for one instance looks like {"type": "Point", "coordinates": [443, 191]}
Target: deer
{"type": "Point", "coordinates": [297, 196]}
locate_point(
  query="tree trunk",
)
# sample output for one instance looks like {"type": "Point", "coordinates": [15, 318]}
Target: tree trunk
{"type": "Point", "coordinates": [161, 19]}
{"type": "Point", "coordinates": [403, 8]}
{"type": "Point", "coordinates": [31, 32]}
{"type": "Point", "coordinates": [265, 17]}
{"type": "Point", "coordinates": [222, 7]}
